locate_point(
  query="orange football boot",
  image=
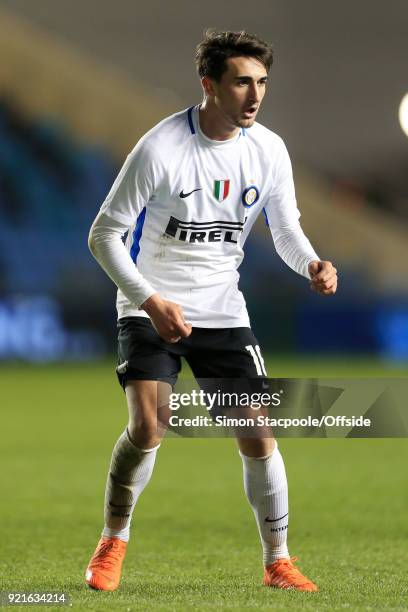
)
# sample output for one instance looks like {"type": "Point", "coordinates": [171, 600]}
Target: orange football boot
{"type": "Point", "coordinates": [283, 574]}
{"type": "Point", "coordinates": [104, 569]}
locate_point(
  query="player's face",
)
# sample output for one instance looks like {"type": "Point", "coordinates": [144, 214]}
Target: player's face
{"type": "Point", "coordinates": [239, 93]}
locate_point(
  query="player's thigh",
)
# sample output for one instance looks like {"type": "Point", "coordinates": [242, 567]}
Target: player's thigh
{"type": "Point", "coordinates": [148, 408]}
{"type": "Point", "coordinates": [147, 368]}
{"type": "Point", "coordinates": [228, 364]}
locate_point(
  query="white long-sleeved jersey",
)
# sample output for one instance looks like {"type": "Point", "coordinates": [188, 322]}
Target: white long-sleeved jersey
{"type": "Point", "coordinates": [188, 204]}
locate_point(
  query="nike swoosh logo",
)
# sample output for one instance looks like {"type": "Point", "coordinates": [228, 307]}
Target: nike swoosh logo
{"type": "Point", "coordinates": [185, 195]}
{"type": "Point", "coordinates": [268, 520]}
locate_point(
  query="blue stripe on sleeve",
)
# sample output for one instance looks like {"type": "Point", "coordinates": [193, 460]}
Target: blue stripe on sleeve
{"type": "Point", "coordinates": [137, 234]}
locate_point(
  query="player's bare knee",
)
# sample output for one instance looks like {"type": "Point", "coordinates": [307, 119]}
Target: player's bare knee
{"type": "Point", "coordinates": [256, 447]}
{"type": "Point", "coordinates": [144, 434]}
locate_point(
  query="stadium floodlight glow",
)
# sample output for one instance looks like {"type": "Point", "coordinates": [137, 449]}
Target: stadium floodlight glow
{"type": "Point", "coordinates": [403, 114]}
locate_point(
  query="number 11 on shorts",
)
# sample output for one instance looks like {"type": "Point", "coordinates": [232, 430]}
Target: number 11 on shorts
{"type": "Point", "coordinates": [256, 355]}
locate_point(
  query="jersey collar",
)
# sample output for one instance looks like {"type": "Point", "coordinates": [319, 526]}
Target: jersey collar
{"type": "Point", "coordinates": [194, 125]}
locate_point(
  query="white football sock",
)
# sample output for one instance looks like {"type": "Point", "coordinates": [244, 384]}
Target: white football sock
{"type": "Point", "coordinates": [130, 471]}
{"type": "Point", "coordinates": [266, 488]}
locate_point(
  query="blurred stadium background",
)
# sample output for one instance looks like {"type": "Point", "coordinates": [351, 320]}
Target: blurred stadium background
{"type": "Point", "coordinates": [81, 82]}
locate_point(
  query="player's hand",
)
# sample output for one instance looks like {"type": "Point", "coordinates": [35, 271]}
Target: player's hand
{"type": "Point", "coordinates": [323, 277]}
{"type": "Point", "coordinates": [167, 318]}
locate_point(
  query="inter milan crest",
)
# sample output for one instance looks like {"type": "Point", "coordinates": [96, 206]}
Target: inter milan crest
{"type": "Point", "coordinates": [221, 189]}
{"type": "Point", "coordinates": [250, 196]}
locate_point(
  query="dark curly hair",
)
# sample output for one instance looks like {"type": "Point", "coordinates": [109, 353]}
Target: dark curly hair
{"type": "Point", "coordinates": [217, 47]}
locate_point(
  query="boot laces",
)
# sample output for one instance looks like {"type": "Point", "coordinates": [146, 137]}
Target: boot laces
{"type": "Point", "coordinates": [290, 572]}
{"type": "Point", "coordinates": [108, 555]}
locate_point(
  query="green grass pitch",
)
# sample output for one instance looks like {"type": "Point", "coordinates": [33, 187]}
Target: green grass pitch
{"type": "Point", "coordinates": [194, 542]}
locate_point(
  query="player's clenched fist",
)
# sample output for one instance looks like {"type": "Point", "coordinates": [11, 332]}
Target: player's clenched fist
{"type": "Point", "coordinates": [167, 318]}
{"type": "Point", "coordinates": [323, 277]}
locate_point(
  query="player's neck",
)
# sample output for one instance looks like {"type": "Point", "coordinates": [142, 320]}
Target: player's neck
{"type": "Point", "coordinates": [214, 124]}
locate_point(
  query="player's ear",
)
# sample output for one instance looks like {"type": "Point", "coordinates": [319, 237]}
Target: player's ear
{"type": "Point", "coordinates": [208, 86]}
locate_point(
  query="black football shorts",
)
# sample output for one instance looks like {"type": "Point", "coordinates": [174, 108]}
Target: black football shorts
{"type": "Point", "coordinates": [229, 353]}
